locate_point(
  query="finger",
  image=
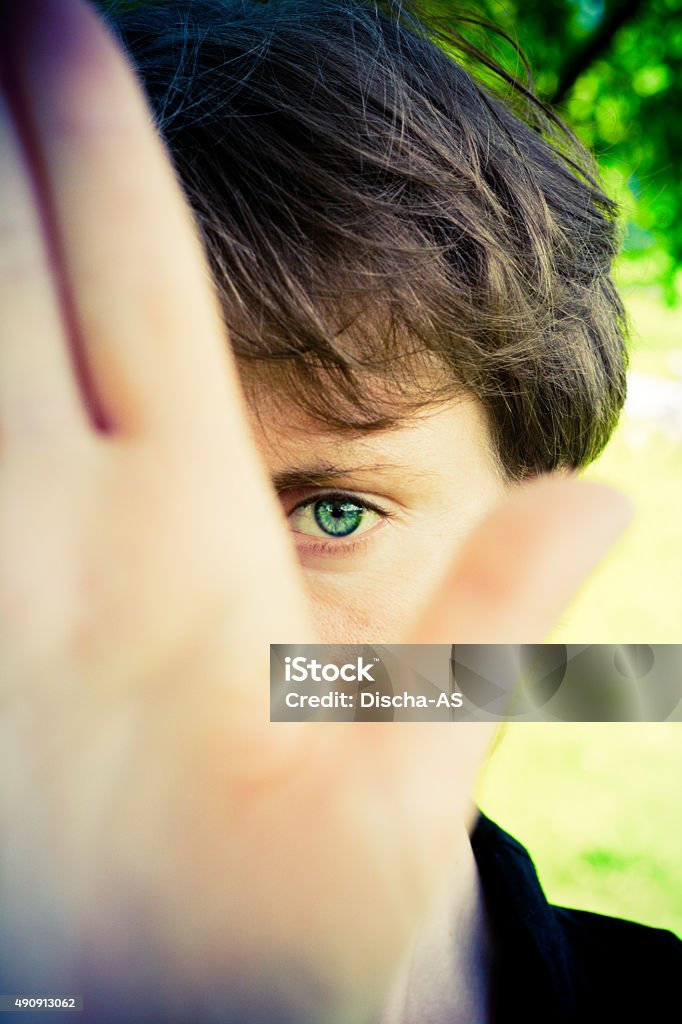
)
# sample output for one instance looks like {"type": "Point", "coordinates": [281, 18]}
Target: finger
{"type": "Point", "coordinates": [131, 259]}
{"type": "Point", "coordinates": [524, 563]}
{"type": "Point", "coordinates": [38, 390]}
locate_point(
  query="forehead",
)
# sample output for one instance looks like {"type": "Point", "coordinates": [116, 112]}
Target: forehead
{"type": "Point", "coordinates": [451, 440]}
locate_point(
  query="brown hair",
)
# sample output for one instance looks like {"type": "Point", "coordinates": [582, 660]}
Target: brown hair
{"type": "Point", "coordinates": [377, 194]}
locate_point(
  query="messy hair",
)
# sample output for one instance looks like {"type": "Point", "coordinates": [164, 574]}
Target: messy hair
{"type": "Point", "coordinates": [393, 219]}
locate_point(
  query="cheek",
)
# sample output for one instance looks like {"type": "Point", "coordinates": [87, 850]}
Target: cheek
{"type": "Point", "coordinates": [358, 625]}
{"type": "Point", "coordinates": [378, 606]}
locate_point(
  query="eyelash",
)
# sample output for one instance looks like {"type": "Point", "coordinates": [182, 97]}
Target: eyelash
{"type": "Point", "coordinates": [335, 546]}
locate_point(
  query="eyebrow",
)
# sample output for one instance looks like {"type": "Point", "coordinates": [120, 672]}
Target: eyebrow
{"type": "Point", "coordinates": [320, 474]}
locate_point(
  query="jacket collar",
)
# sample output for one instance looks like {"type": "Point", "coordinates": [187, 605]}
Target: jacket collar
{"type": "Point", "coordinates": [533, 976]}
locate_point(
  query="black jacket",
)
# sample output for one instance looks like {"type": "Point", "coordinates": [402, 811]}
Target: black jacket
{"type": "Point", "coordinates": [559, 966]}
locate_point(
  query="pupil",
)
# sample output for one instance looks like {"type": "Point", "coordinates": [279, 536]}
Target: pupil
{"type": "Point", "coordinates": [338, 518]}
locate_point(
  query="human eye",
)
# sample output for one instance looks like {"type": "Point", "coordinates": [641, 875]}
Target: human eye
{"type": "Point", "coordinates": [333, 517]}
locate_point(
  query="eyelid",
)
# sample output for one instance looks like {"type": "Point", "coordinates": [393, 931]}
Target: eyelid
{"type": "Point", "coordinates": [343, 496]}
{"type": "Point", "coordinates": [343, 546]}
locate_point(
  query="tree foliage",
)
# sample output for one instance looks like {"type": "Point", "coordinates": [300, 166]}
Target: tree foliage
{"type": "Point", "coordinates": [613, 69]}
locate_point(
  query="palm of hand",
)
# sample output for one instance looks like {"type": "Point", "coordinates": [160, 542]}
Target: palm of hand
{"type": "Point", "coordinates": [134, 620]}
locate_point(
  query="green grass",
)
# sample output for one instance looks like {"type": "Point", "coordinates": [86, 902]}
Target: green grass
{"type": "Point", "coordinates": [600, 805]}
{"type": "Point", "coordinates": [599, 808]}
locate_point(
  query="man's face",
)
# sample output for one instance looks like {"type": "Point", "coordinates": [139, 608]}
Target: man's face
{"type": "Point", "coordinates": [379, 517]}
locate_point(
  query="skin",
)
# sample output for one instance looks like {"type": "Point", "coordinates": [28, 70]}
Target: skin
{"type": "Point", "coordinates": [161, 839]}
{"type": "Point", "coordinates": [434, 478]}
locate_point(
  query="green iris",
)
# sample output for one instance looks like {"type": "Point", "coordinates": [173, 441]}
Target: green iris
{"type": "Point", "coordinates": [337, 518]}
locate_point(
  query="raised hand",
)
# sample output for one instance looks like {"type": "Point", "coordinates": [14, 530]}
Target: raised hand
{"type": "Point", "coordinates": [162, 841]}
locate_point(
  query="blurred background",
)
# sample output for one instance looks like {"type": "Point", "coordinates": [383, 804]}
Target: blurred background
{"type": "Point", "coordinates": [600, 805]}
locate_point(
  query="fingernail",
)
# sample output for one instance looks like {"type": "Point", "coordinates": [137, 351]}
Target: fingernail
{"type": "Point", "coordinates": [611, 511]}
